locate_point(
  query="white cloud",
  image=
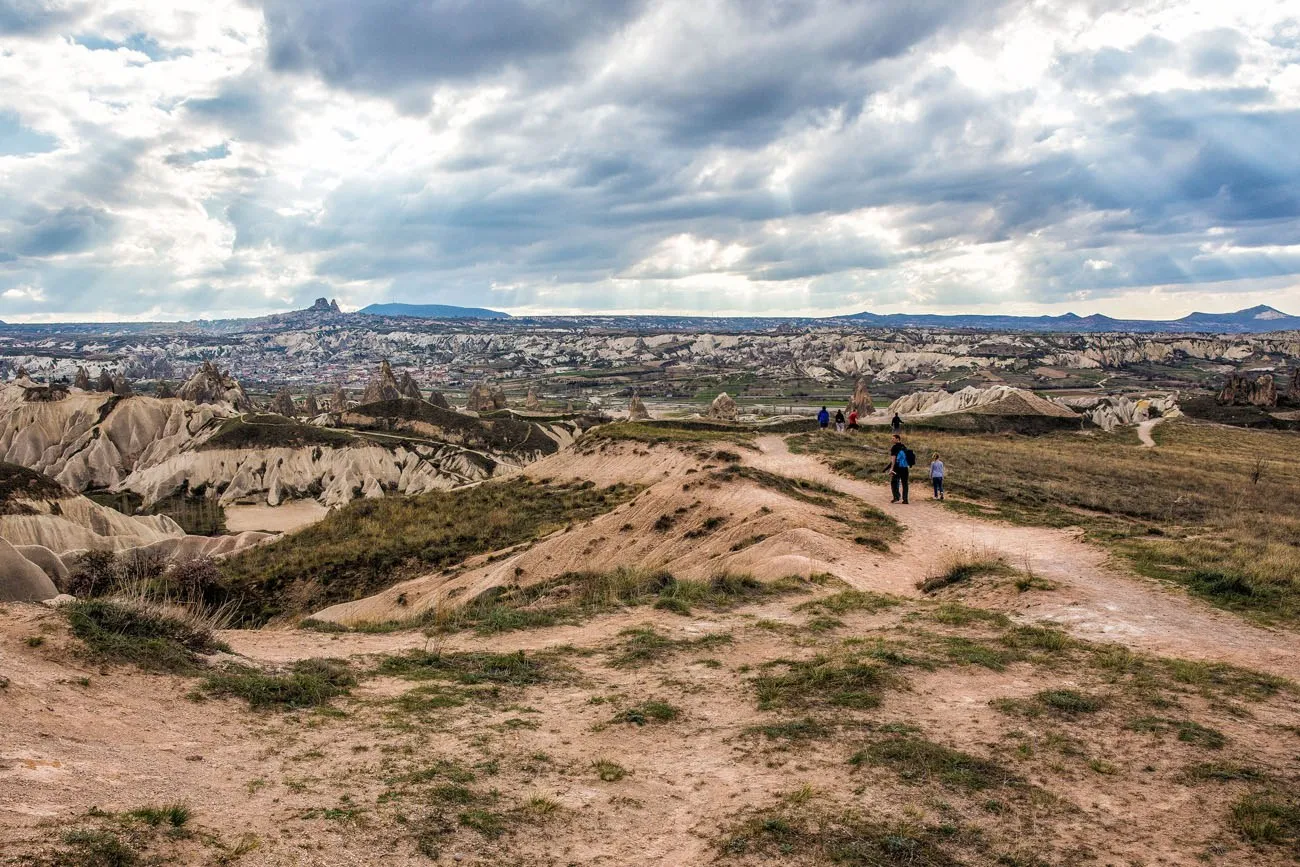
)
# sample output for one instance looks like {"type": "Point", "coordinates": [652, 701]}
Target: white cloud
{"type": "Point", "coordinates": [812, 156]}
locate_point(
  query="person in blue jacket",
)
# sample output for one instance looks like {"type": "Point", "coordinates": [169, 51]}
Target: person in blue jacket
{"type": "Point", "coordinates": [823, 418]}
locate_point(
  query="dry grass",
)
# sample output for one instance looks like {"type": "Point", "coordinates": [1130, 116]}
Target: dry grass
{"type": "Point", "coordinates": [368, 545]}
{"type": "Point", "coordinates": [1214, 509]}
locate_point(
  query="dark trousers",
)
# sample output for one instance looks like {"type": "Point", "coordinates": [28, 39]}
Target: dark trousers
{"type": "Point", "coordinates": [898, 479]}
{"type": "Point", "coordinates": [938, 485]}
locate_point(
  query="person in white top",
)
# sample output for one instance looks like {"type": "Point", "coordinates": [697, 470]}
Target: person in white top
{"type": "Point", "coordinates": [936, 475]}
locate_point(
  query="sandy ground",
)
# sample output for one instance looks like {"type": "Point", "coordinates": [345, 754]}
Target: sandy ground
{"type": "Point", "coordinates": [333, 789]}
{"type": "Point", "coordinates": [284, 518]}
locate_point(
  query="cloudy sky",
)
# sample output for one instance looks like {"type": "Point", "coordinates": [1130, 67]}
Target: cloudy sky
{"type": "Point", "coordinates": [186, 158]}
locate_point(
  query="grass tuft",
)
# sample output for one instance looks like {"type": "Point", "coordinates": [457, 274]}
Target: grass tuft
{"type": "Point", "coordinates": [307, 683]}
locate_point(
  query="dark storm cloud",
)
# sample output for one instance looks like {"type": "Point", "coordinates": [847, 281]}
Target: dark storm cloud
{"type": "Point", "coordinates": [67, 230]}
{"type": "Point", "coordinates": [387, 45]}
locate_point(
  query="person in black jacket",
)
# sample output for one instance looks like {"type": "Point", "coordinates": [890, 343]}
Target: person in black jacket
{"type": "Point", "coordinates": [899, 469]}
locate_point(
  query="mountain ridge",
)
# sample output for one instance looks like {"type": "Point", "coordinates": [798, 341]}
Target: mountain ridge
{"type": "Point", "coordinates": [1251, 320]}
{"type": "Point", "coordinates": [432, 311]}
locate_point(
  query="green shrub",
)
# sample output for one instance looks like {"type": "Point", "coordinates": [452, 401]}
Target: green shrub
{"type": "Point", "coordinates": [153, 637]}
{"type": "Point", "coordinates": [307, 683]}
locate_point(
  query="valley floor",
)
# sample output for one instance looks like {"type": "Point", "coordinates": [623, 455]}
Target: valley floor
{"type": "Point", "coordinates": [1059, 711]}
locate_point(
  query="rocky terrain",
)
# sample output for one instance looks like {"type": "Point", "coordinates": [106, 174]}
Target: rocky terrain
{"type": "Point", "coordinates": [319, 347]}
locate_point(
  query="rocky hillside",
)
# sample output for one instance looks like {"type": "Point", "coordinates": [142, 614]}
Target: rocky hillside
{"type": "Point", "coordinates": [159, 448]}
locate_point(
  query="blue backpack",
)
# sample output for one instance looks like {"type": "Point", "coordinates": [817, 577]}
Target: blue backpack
{"type": "Point", "coordinates": [904, 458]}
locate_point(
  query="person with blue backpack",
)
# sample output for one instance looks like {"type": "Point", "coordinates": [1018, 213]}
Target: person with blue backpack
{"type": "Point", "coordinates": [901, 461]}
{"type": "Point", "coordinates": [823, 418]}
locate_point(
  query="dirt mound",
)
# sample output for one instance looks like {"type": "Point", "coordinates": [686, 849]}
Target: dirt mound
{"type": "Point", "coordinates": [696, 519]}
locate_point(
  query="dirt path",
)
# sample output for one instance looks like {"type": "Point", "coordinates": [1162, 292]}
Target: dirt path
{"type": "Point", "coordinates": [1095, 597]}
{"type": "Point", "coordinates": [1144, 432]}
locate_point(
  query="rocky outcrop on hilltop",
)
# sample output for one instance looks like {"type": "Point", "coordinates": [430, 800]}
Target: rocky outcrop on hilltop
{"type": "Point", "coordinates": [1242, 390]}
{"type": "Point", "coordinates": [383, 386]}
{"type": "Point", "coordinates": [723, 408]}
{"type": "Point", "coordinates": [309, 406]}
{"type": "Point", "coordinates": [82, 379]}
{"type": "Point", "coordinates": [282, 404]}
{"type": "Point", "coordinates": [209, 385]}
{"type": "Point", "coordinates": [1293, 391]}
{"type": "Point", "coordinates": [408, 388]}
{"type": "Point", "coordinates": [636, 410]}
{"type": "Point", "coordinates": [437, 399]}
{"type": "Point", "coordinates": [339, 401]}
{"type": "Point", "coordinates": [861, 399]}
{"type": "Point", "coordinates": [324, 305]}
{"type": "Point", "coordinates": [485, 397]}
{"type": "Point", "coordinates": [531, 402]}
{"type": "Point", "coordinates": [105, 382]}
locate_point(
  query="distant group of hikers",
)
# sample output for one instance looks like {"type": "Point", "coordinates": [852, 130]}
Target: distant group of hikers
{"type": "Point", "coordinates": [901, 458]}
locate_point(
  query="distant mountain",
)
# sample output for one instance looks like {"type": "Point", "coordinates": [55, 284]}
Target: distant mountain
{"type": "Point", "coordinates": [1253, 320]}
{"type": "Point", "coordinates": [432, 311]}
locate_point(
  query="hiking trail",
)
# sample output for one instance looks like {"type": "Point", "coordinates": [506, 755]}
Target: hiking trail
{"type": "Point", "coordinates": [1095, 597]}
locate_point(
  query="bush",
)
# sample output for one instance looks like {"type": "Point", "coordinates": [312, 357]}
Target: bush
{"type": "Point", "coordinates": [307, 683]}
{"type": "Point", "coordinates": [93, 573]}
{"type": "Point", "coordinates": [151, 636]}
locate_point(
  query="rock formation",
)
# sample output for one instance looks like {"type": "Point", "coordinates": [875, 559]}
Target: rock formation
{"type": "Point", "coordinates": [82, 379]}
{"type": "Point", "coordinates": [22, 580]}
{"type": "Point", "coordinates": [408, 388]}
{"type": "Point", "coordinates": [339, 401]}
{"type": "Point", "coordinates": [105, 382]}
{"type": "Point", "coordinates": [210, 385]}
{"type": "Point", "coordinates": [636, 410]}
{"type": "Point", "coordinates": [383, 386]}
{"type": "Point", "coordinates": [1241, 390]}
{"type": "Point", "coordinates": [436, 398]}
{"type": "Point", "coordinates": [531, 402]}
{"type": "Point", "coordinates": [1293, 392]}
{"type": "Point", "coordinates": [997, 400]}
{"type": "Point", "coordinates": [164, 390]}
{"type": "Point", "coordinates": [1114, 410]}
{"type": "Point", "coordinates": [282, 404]}
{"type": "Point", "coordinates": [21, 373]}
{"type": "Point", "coordinates": [723, 408]}
{"type": "Point", "coordinates": [861, 400]}
{"type": "Point", "coordinates": [485, 397]}
{"type": "Point", "coordinates": [309, 406]}
{"type": "Point", "coordinates": [324, 305]}
{"type": "Point", "coordinates": [121, 387]}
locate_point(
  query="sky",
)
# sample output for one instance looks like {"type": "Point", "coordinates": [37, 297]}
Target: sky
{"type": "Point", "coordinates": [211, 158]}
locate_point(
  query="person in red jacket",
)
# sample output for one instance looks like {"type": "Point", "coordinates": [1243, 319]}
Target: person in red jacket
{"type": "Point", "coordinates": [853, 419]}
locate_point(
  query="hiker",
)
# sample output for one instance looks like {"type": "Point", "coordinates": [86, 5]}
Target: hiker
{"type": "Point", "coordinates": [839, 421]}
{"type": "Point", "coordinates": [853, 419]}
{"type": "Point", "coordinates": [897, 424]}
{"type": "Point", "coordinates": [936, 475]}
{"type": "Point", "coordinates": [823, 418]}
{"type": "Point", "coordinates": [901, 459]}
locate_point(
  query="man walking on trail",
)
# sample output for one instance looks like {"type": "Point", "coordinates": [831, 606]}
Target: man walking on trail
{"type": "Point", "coordinates": [853, 419]}
{"type": "Point", "coordinates": [897, 424]}
{"type": "Point", "coordinates": [823, 418]}
{"type": "Point", "coordinates": [900, 465]}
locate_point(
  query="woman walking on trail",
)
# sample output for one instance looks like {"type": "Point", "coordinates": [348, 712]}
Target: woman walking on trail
{"type": "Point", "coordinates": [823, 418]}
{"type": "Point", "coordinates": [839, 421]}
{"type": "Point", "coordinates": [937, 471]}
{"type": "Point", "coordinates": [901, 459]}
